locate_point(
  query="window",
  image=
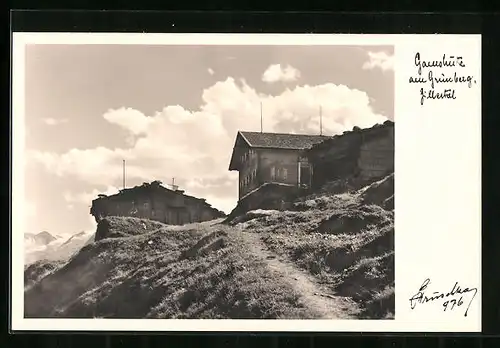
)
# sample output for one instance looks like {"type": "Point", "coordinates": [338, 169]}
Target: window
{"type": "Point", "coordinates": [146, 205]}
{"type": "Point", "coordinates": [153, 212]}
{"type": "Point", "coordinates": [284, 173]}
{"type": "Point", "coordinates": [273, 173]}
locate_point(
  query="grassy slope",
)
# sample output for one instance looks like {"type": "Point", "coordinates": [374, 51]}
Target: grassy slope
{"type": "Point", "coordinates": [210, 270]}
{"type": "Point", "coordinates": [37, 270]}
{"type": "Point", "coordinates": [345, 242]}
{"type": "Point", "coordinates": [199, 272]}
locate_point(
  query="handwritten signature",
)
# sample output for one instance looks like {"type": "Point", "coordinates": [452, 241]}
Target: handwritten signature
{"type": "Point", "coordinates": [452, 299]}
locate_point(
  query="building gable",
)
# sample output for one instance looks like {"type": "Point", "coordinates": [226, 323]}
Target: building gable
{"type": "Point", "coordinates": [240, 146]}
{"type": "Point", "coordinates": [278, 141]}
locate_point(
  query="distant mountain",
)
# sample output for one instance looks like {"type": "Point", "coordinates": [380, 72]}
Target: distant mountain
{"type": "Point", "coordinates": [75, 238]}
{"type": "Point", "coordinates": [44, 246]}
{"type": "Point", "coordinates": [42, 238]}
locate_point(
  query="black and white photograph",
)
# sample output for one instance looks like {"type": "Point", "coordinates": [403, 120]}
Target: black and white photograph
{"type": "Point", "coordinates": [209, 181]}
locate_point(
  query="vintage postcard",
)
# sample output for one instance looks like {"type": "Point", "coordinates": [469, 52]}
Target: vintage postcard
{"type": "Point", "coordinates": [322, 182]}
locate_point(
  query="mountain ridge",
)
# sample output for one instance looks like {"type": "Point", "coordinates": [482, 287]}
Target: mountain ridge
{"type": "Point", "coordinates": [45, 246]}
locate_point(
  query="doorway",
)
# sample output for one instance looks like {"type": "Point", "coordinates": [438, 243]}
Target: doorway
{"type": "Point", "coordinates": [305, 175]}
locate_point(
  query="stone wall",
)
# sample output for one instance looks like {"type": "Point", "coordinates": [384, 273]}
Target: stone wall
{"type": "Point", "coordinates": [273, 196]}
{"type": "Point", "coordinates": [360, 153]}
{"type": "Point", "coordinates": [376, 157]}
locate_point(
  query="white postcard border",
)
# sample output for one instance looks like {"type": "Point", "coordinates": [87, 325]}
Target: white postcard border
{"type": "Point", "coordinates": [446, 250]}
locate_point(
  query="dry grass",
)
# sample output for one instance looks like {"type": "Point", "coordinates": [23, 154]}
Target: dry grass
{"type": "Point", "coordinates": [144, 269]}
{"type": "Point", "coordinates": [38, 270]}
{"type": "Point", "coordinates": [341, 239]}
{"type": "Point", "coordinates": [203, 272]}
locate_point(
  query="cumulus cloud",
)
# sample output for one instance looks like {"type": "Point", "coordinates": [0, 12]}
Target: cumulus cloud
{"type": "Point", "coordinates": [133, 120]}
{"type": "Point", "coordinates": [87, 197]}
{"type": "Point", "coordinates": [195, 146]}
{"type": "Point", "coordinates": [210, 71]}
{"type": "Point", "coordinates": [379, 60]}
{"type": "Point", "coordinates": [53, 122]}
{"type": "Point", "coordinates": [99, 165]}
{"type": "Point", "coordinates": [276, 72]}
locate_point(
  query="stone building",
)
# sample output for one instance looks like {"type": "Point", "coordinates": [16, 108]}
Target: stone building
{"type": "Point", "coordinates": [271, 159]}
{"type": "Point", "coordinates": [275, 168]}
{"type": "Point", "coordinates": [365, 154]}
{"type": "Point", "coordinates": [155, 202]}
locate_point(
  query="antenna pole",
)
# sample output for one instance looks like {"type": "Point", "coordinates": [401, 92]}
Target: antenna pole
{"type": "Point", "coordinates": [261, 117]}
{"type": "Point", "coordinates": [320, 120]}
{"type": "Point", "coordinates": [123, 174]}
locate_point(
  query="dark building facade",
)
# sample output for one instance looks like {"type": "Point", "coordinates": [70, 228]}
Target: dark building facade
{"type": "Point", "coordinates": [277, 158]}
{"type": "Point", "coordinates": [364, 154]}
{"type": "Point", "coordinates": [154, 202]}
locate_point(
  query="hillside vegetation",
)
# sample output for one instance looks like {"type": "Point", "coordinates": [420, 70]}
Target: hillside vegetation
{"type": "Point", "coordinates": [331, 256]}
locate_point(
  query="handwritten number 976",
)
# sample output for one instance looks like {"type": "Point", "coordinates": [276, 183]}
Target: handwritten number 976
{"type": "Point", "coordinates": [452, 303]}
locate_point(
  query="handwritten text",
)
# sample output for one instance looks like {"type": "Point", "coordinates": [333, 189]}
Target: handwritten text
{"type": "Point", "coordinates": [439, 78]}
{"type": "Point", "coordinates": [449, 300]}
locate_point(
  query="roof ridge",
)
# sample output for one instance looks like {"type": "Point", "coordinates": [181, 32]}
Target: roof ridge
{"type": "Point", "coordinates": [355, 130]}
{"type": "Point", "coordinates": [277, 133]}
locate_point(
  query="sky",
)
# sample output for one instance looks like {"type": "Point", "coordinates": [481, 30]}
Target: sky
{"type": "Point", "coordinates": [174, 111]}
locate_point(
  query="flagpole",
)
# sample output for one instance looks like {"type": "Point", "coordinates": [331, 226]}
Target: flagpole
{"type": "Point", "coordinates": [123, 174]}
{"type": "Point", "coordinates": [320, 120]}
{"type": "Point", "coordinates": [261, 127]}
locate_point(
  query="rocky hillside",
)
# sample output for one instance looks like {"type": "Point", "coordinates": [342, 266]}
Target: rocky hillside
{"type": "Point", "coordinates": [329, 256]}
